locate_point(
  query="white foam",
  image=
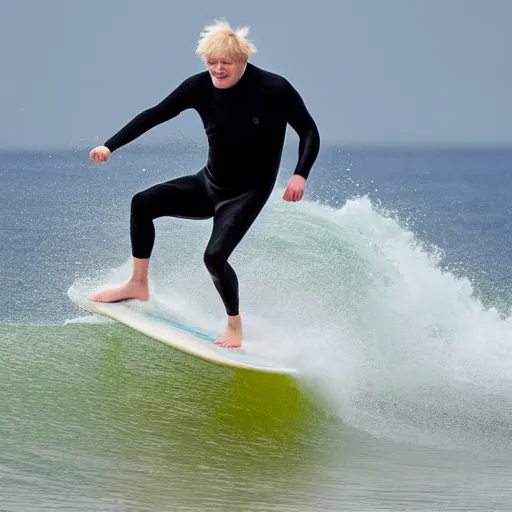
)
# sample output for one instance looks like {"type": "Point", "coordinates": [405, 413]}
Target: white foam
{"type": "Point", "coordinates": [89, 319]}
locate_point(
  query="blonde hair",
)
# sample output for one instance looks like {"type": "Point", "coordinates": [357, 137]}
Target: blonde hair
{"type": "Point", "coordinates": [220, 40]}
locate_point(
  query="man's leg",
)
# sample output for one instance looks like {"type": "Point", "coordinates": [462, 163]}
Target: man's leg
{"type": "Point", "coordinates": [182, 197]}
{"type": "Point", "coordinates": [232, 220]}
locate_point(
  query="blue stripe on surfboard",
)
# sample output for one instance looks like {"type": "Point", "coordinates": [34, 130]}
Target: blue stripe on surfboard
{"type": "Point", "coordinates": [181, 326]}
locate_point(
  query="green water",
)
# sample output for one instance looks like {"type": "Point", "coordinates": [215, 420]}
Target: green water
{"type": "Point", "coordinates": [98, 417]}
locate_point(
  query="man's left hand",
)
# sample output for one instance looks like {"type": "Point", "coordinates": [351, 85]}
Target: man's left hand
{"type": "Point", "coordinates": [295, 189]}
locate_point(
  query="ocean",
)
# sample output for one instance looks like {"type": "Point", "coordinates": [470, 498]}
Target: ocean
{"type": "Point", "coordinates": [389, 287]}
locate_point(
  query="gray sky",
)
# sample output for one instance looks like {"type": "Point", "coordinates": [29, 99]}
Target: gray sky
{"type": "Point", "coordinates": [380, 72]}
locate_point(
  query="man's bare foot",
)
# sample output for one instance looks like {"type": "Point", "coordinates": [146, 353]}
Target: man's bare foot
{"type": "Point", "coordinates": [232, 337]}
{"type": "Point", "coordinates": [130, 290]}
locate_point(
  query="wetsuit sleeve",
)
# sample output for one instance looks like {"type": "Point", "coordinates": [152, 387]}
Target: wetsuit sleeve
{"type": "Point", "coordinates": [300, 120]}
{"type": "Point", "coordinates": [178, 100]}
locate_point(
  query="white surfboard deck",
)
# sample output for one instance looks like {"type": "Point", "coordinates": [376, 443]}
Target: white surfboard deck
{"type": "Point", "coordinates": [181, 337]}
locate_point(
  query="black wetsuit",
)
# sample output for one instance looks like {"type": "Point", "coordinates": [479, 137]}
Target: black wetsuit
{"type": "Point", "coordinates": [245, 126]}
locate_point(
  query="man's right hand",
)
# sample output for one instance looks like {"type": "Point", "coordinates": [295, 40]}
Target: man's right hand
{"type": "Point", "coordinates": [100, 154]}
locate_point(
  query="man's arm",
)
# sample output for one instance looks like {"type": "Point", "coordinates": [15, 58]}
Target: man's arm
{"type": "Point", "coordinates": [178, 100]}
{"type": "Point", "coordinates": [301, 121]}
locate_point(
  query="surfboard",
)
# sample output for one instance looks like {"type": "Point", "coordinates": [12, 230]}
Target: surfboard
{"type": "Point", "coordinates": [182, 337]}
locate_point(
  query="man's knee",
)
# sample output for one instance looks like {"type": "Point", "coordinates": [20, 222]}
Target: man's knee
{"type": "Point", "coordinates": [215, 262]}
{"type": "Point", "coordinates": [140, 203]}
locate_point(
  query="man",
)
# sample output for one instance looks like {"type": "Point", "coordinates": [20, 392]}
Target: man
{"type": "Point", "coordinates": [245, 111]}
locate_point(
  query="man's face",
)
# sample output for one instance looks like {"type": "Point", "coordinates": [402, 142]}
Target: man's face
{"type": "Point", "coordinates": [225, 72]}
